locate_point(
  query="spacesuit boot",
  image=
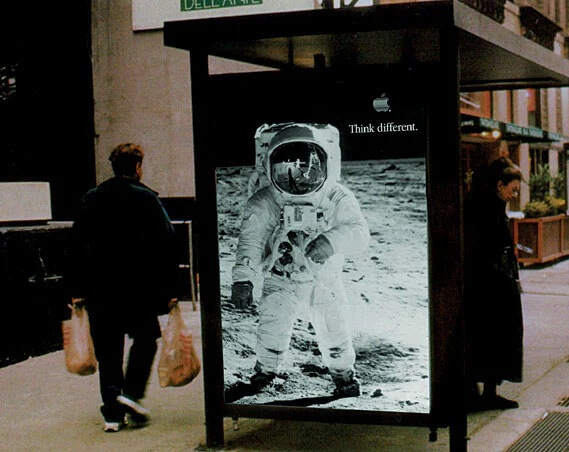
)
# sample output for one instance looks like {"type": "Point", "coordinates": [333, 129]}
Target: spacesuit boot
{"type": "Point", "coordinates": [346, 385]}
{"type": "Point", "coordinates": [260, 379]}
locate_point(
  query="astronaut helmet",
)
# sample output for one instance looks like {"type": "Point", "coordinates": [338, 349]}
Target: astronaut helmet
{"type": "Point", "coordinates": [303, 159]}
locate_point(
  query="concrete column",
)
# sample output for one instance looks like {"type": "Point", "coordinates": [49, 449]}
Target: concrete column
{"type": "Point", "coordinates": [520, 116]}
{"type": "Point", "coordinates": [553, 162]}
{"type": "Point", "coordinates": [551, 94]}
{"type": "Point", "coordinates": [520, 113]}
{"type": "Point", "coordinates": [142, 95]}
{"type": "Point", "coordinates": [500, 106]}
{"type": "Point", "coordinates": [544, 109]}
{"type": "Point", "coordinates": [564, 126]}
{"type": "Point", "coordinates": [525, 167]}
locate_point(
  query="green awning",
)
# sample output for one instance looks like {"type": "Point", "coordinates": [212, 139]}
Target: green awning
{"type": "Point", "coordinates": [508, 131]}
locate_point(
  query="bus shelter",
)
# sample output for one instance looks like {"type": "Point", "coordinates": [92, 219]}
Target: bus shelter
{"type": "Point", "coordinates": [377, 89]}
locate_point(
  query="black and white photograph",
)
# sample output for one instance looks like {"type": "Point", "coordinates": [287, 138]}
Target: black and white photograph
{"type": "Point", "coordinates": [323, 258]}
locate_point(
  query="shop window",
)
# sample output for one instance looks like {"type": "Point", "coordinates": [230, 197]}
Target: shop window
{"type": "Point", "coordinates": [476, 104]}
{"type": "Point", "coordinates": [560, 182]}
{"type": "Point", "coordinates": [534, 107]}
{"type": "Point", "coordinates": [538, 157]}
{"type": "Point", "coordinates": [12, 162]}
{"type": "Point", "coordinates": [514, 155]}
{"type": "Point", "coordinates": [7, 82]}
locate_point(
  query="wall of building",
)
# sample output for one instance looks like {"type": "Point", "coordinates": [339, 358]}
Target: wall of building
{"type": "Point", "coordinates": [141, 94]}
{"type": "Point", "coordinates": [141, 91]}
{"type": "Point", "coordinates": [520, 116]}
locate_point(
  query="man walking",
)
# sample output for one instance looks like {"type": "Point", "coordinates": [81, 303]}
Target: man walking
{"type": "Point", "coordinates": [124, 269]}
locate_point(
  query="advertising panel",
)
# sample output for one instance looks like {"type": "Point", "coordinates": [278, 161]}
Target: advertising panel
{"type": "Point", "coordinates": [323, 255]}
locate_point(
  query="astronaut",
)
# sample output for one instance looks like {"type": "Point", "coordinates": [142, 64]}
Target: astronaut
{"type": "Point", "coordinates": [297, 227]}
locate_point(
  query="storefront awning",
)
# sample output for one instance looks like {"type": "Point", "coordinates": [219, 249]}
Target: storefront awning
{"type": "Point", "coordinates": [507, 130]}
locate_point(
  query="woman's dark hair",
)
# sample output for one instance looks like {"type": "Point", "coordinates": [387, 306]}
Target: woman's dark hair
{"type": "Point", "coordinates": [125, 157]}
{"type": "Point", "coordinates": [487, 176]}
{"type": "Point", "coordinates": [504, 170]}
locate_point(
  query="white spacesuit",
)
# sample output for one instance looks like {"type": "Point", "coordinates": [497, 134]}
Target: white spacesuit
{"type": "Point", "coordinates": [297, 228]}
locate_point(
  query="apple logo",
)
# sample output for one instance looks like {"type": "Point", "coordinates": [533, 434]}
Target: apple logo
{"type": "Point", "coordinates": [381, 104]}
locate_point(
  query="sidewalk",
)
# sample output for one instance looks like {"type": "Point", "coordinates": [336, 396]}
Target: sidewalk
{"type": "Point", "coordinates": [546, 369]}
{"type": "Point", "coordinates": [45, 408]}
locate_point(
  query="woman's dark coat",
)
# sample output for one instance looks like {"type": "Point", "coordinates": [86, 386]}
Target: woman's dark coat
{"type": "Point", "coordinates": [493, 311]}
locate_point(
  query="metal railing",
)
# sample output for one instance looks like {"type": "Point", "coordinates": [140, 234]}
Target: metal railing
{"type": "Point", "coordinates": [494, 9]}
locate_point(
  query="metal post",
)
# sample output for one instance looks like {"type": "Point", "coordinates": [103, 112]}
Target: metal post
{"type": "Point", "coordinates": [191, 263]}
{"type": "Point", "coordinates": [448, 167]}
{"type": "Point", "coordinates": [205, 224]}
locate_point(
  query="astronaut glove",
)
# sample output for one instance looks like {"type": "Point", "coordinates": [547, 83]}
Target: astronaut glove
{"type": "Point", "coordinates": [319, 250]}
{"type": "Point", "coordinates": [242, 294]}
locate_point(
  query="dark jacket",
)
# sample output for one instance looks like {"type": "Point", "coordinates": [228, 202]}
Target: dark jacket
{"type": "Point", "coordinates": [493, 311]}
{"type": "Point", "coordinates": [124, 255]}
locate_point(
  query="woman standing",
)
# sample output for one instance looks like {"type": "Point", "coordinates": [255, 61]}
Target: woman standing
{"type": "Point", "coordinates": [493, 311]}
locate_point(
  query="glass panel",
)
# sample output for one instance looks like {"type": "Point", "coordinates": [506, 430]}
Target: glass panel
{"type": "Point", "coordinates": [324, 293]}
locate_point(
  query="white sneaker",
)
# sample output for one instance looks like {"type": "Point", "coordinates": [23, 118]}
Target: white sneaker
{"type": "Point", "coordinates": [114, 426]}
{"type": "Point", "coordinates": [139, 414]}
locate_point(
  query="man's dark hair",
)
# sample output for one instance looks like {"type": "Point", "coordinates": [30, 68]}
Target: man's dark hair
{"type": "Point", "coordinates": [125, 157]}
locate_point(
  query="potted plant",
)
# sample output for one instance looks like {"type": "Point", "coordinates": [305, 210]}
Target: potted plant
{"type": "Point", "coordinates": [543, 233]}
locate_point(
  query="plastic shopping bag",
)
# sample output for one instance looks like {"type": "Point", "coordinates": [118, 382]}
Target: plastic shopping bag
{"type": "Point", "coordinates": [179, 363]}
{"type": "Point", "coordinates": [77, 343]}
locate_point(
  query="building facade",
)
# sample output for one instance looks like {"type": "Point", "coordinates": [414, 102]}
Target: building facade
{"type": "Point", "coordinates": [119, 82]}
{"type": "Point", "coordinates": [531, 124]}
{"type": "Point", "coordinates": [141, 93]}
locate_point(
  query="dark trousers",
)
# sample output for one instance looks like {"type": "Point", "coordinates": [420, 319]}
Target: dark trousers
{"type": "Point", "coordinates": [109, 340]}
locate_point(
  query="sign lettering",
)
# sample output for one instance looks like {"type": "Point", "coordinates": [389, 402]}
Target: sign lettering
{"type": "Point", "coordinates": [198, 5]}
